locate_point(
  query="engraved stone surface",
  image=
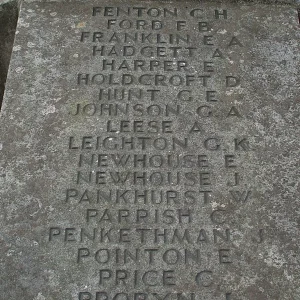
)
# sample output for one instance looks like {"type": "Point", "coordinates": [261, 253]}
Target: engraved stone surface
{"type": "Point", "coordinates": [150, 150]}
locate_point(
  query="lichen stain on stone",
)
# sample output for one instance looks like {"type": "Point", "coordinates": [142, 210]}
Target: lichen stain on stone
{"type": "Point", "coordinates": [17, 48]}
{"type": "Point", "coordinates": [30, 45]}
{"type": "Point", "coordinates": [274, 259]}
{"type": "Point", "coordinates": [39, 297]}
{"type": "Point", "coordinates": [49, 110]}
{"type": "Point", "coordinates": [19, 70]}
{"type": "Point", "coordinates": [81, 25]}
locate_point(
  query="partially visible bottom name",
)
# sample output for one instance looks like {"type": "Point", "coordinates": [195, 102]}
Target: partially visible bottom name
{"type": "Point", "coordinates": [147, 296]}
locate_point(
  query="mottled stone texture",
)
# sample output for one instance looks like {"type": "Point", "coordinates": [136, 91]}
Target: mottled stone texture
{"type": "Point", "coordinates": [91, 203]}
{"type": "Point", "coordinates": [8, 22]}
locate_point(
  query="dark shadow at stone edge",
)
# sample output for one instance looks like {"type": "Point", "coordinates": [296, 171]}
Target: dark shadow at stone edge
{"type": "Point", "coordinates": [8, 23]}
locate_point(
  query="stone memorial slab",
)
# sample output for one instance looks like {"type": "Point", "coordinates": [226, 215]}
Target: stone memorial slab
{"type": "Point", "coordinates": [150, 151]}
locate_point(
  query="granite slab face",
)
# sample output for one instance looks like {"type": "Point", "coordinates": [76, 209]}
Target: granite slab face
{"type": "Point", "coordinates": [150, 150]}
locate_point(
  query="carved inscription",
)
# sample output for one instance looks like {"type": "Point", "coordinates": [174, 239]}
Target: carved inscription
{"type": "Point", "coordinates": [157, 185]}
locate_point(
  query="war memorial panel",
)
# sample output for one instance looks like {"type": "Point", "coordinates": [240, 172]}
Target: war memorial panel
{"type": "Point", "coordinates": [150, 151]}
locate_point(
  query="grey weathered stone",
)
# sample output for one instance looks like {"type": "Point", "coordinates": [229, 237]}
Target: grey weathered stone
{"type": "Point", "coordinates": [247, 228]}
